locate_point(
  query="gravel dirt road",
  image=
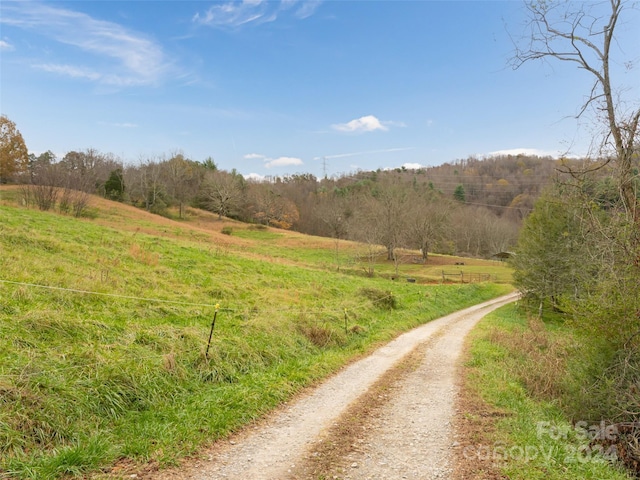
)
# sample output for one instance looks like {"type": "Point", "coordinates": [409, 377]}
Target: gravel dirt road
{"type": "Point", "coordinates": [365, 422]}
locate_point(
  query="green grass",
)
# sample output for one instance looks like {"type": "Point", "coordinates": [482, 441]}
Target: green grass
{"type": "Point", "coordinates": [91, 379]}
{"type": "Point", "coordinates": [517, 368]}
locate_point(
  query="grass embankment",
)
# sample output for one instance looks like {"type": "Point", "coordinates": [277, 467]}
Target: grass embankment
{"type": "Point", "coordinates": [89, 381]}
{"type": "Point", "coordinates": [521, 378]}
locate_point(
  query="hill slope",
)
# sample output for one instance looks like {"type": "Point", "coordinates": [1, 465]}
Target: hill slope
{"type": "Point", "coordinates": [105, 322]}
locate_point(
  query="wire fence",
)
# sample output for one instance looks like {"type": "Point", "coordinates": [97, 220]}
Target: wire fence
{"type": "Point", "coordinates": [340, 314]}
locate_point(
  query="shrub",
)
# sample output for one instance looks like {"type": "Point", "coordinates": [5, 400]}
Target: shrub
{"type": "Point", "coordinates": [380, 298]}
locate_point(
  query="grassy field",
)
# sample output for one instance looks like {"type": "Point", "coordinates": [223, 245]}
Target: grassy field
{"type": "Point", "coordinates": [105, 321]}
{"type": "Point", "coordinates": [513, 423]}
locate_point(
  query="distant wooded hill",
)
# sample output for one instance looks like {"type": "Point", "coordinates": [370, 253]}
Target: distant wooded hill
{"type": "Point", "coordinates": [470, 207]}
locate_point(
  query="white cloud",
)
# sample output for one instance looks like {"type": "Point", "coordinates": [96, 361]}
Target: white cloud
{"type": "Point", "coordinates": [6, 46]}
{"type": "Point", "coordinates": [524, 151]}
{"type": "Point", "coordinates": [236, 13]}
{"type": "Point", "coordinates": [368, 123]}
{"type": "Point", "coordinates": [256, 177]}
{"type": "Point", "coordinates": [134, 59]}
{"type": "Point", "coordinates": [283, 162]}
{"type": "Point", "coordinates": [412, 166]}
{"type": "Point", "coordinates": [274, 162]}
{"type": "Point", "coordinates": [254, 156]}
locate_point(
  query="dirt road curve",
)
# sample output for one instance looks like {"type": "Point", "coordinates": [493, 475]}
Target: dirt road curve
{"type": "Point", "coordinates": [409, 437]}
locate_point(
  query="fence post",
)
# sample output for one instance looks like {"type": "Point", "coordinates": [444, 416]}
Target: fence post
{"type": "Point", "coordinates": [345, 322]}
{"type": "Point", "coordinates": [213, 324]}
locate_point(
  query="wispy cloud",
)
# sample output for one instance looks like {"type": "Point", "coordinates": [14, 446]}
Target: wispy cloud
{"type": "Point", "coordinates": [367, 152]}
{"type": "Point", "coordinates": [133, 58]}
{"type": "Point", "coordinates": [368, 123]}
{"type": "Point", "coordinates": [236, 13]}
{"type": "Point", "coordinates": [6, 46]}
{"type": "Point", "coordinates": [254, 156]}
{"type": "Point", "coordinates": [69, 71]}
{"type": "Point", "coordinates": [119, 125]}
{"type": "Point", "coordinates": [274, 162]}
{"type": "Point", "coordinates": [306, 8]}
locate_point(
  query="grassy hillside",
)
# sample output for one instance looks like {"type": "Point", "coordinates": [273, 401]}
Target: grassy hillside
{"type": "Point", "coordinates": [104, 324]}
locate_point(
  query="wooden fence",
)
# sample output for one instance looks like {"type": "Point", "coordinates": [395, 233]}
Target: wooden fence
{"type": "Point", "coordinates": [462, 277]}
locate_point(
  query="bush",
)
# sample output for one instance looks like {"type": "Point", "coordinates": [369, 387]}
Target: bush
{"type": "Point", "coordinates": [380, 298]}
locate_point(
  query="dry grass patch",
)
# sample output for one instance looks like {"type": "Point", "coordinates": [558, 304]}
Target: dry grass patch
{"type": "Point", "coordinates": [143, 256]}
{"type": "Point", "coordinates": [548, 355]}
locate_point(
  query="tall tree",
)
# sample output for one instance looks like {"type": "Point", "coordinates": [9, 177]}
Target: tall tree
{"type": "Point", "coordinates": [584, 34]}
{"type": "Point", "coordinates": [549, 250]}
{"type": "Point", "coordinates": [335, 212]}
{"type": "Point", "coordinates": [147, 185]}
{"type": "Point", "coordinates": [14, 157]}
{"type": "Point", "coordinates": [114, 186]}
{"type": "Point", "coordinates": [427, 220]}
{"type": "Point", "coordinates": [589, 35]}
{"type": "Point", "coordinates": [182, 178]}
{"type": "Point", "coordinates": [391, 204]}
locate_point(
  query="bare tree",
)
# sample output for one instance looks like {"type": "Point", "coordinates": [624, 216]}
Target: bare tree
{"type": "Point", "coordinates": [366, 229]}
{"type": "Point", "coordinates": [222, 192]}
{"type": "Point", "coordinates": [428, 220]}
{"type": "Point", "coordinates": [44, 186]}
{"type": "Point", "coordinates": [182, 177]}
{"type": "Point", "coordinates": [585, 256]}
{"type": "Point", "coordinates": [145, 187]}
{"type": "Point", "coordinates": [584, 34]}
{"type": "Point", "coordinates": [390, 203]}
{"type": "Point", "coordinates": [335, 212]}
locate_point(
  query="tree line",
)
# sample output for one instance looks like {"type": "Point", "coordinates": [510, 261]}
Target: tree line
{"type": "Point", "coordinates": [471, 207]}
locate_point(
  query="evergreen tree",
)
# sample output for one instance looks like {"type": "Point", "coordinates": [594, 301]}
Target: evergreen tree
{"type": "Point", "coordinates": [114, 186]}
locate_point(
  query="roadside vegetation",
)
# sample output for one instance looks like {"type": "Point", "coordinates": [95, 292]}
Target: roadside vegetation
{"type": "Point", "coordinates": [525, 413]}
{"type": "Point", "coordinates": [578, 254]}
{"type": "Point", "coordinates": [105, 322]}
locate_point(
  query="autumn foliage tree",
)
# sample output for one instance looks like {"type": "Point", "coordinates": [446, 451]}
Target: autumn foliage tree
{"type": "Point", "coordinates": [268, 207]}
{"type": "Point", "coordinates": [14, 157]}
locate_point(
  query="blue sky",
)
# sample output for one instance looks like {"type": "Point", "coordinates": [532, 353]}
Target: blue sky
{"type": "Point", "coordinates": [290, 86]}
